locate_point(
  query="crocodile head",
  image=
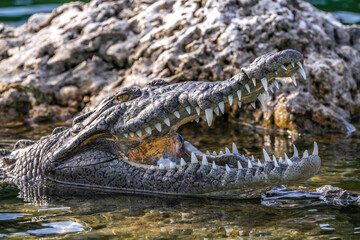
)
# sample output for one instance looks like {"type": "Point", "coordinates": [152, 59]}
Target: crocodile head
{"type": "Point", "coordinates": [129, 141]}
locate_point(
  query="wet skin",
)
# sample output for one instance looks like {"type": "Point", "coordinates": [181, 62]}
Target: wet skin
{"type": "Point", "coordinates": [129, 142]}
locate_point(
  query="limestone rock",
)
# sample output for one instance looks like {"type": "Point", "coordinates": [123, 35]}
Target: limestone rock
{"type": "Point", "coordinates": [80, 53]}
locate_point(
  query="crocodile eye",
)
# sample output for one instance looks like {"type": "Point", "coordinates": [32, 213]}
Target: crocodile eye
{"type": "Point", "coordinates": [123, 97]}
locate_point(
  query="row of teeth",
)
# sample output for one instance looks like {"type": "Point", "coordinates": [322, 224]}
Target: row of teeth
{"type": "Point", "coordinates": [251, 162]}
{"type": "Point", "coordinates": [209, 113]}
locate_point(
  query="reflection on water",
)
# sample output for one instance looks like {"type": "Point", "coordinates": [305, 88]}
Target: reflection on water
{"type": "Point", "coordinates": [292, 212]}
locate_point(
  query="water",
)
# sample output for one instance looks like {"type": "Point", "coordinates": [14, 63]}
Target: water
{"type": "Point", "coordinates": [292, 212]}
{"type": "Point", "coordinates": [16, 12]}
{"type": "Point", "coordinates": [295, 212]}
{"type": "Point", "coordinates": [347, 11]}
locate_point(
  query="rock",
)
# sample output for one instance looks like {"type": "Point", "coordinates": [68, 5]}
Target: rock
{"type": "Point", "coordinates": [80, 53]}
{"type": "Point", "coordinates": [44, 113]}
{"type": "Point", "coordinates": [336, 196]}
{"type": "Point", "coordinates": [14, 107]}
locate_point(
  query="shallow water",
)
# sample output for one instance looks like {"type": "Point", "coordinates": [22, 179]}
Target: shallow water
{"type": "Point", "coordinates": [71, 213]}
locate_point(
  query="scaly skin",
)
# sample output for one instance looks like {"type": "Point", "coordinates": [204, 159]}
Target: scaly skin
{"type": "Point", "coordinates": [129, 142]}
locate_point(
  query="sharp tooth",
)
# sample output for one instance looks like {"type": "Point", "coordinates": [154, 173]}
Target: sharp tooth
{"type": "Point", "coordinates": [249, 164]}
{"type": "Point", "coordinates": [275, 162]}
{"type": "Point", "coordinates": [293, 79]}
{"type": "Point", "coordinates": [234, 148]}
{"type": "Point", "coordinates": [182, 162]}
{"type": "Point", "coordinates": [283, 67]}
{"type": "Point", "coordinates": [276, 73]}
{"type": "Point", "coordinates": [239, 104]}
{"type": "Point", "coordinates": [253, 105]}
{"type": "Point", "coordinates": [316, 149]}
{"type": "Point", "coordinates": [197, 110]}
{"type": "Point", "coordinates": [214, 153]}
{"type": "Point", "coordinates": [177, 114]}
{"type": "Point", "coordinates": [288, 161]}
{"type": "Point", "coordinates": [280, 160]}
{"type": "Point", "coordinates": [214, 165]}
{"type": "Point", "coordinates": [126, 135]}
{"type": "Point", "coordinates": [222, 107]}
{"type": "Point", "coordinates": [148, 130]}
{"type": "Point", "coordinates": [227, 168]}
{"type": "Point", "coordinates": [132, 134]}
{"type": "Point", "coordinates": [247, 87]}
{"type": "Point", "coordinates": [305, 154]}
{"type": "Point", "coordinates": [158, 126]}
{"type": "Point", "coordinates": [230, 97]}
{"type": "Point", "coordinates": [252, 158]}
{"type": "Point", "coordinates": [197, 120]}
{"type": "Point", "coordinates": [203, 118]}
{"type": "Point", "coordinates": [172, 165]}
{"type": "Point", "coordinates": [271, 88]}
{"type": "Point", "coordinates": [276, 84]}
{"type": "Point", "coordinates": [238, 92]}
{"type": "Point", "coordinates": [207, 152]}
{"type": "Point", "coordinates": [302, 72]}
{"type": "Point", "coordinates": [296, 153]}
{"type": "Point", "coordinates": [152, 167]}
{"type": "Point", "coordinates": [209, 116]}
{"type": "Point", "coordinates": [254, 81]}
{"type": "Point", "coordinates": [266, 155]}
{"type": "Point", "coordinates": [239, 165]}
{"type": "Point", "coordinates": [204, 160]}
{"type": "Point", "coordinates": [264, 83]}
{"type": "Point", "coordinates": [267, 94]}
{"type": "Point", "coordinates": [193, 158]}
{"type": "Point", "coordinates": [227, 151]}
{"type": "Point", "coordinates": [293, 64]}
{"type": "Point", "coordinates": [261, 99]}
{"type": "Point", "coordinates": [221, 153]}
{"type": "Point", "coordinates": [188, 109]}
{"type": "Point", "coordinates": [216, 111]}
{"type": "Point", "coordinates": [259, 163]}
{"type": "Point", "coordinates": [161, 167]}
{"type": "Point", "coordinates": [167, 121]}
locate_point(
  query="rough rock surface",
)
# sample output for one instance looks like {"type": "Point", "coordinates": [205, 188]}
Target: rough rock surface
{"type": "Point", "coordinates": [60, 63]}
{"type": "Point", "coordinates": [336, 196]}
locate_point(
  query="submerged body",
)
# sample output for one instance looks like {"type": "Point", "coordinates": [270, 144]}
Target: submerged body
{"type": "Point", "coordinates": [129, 142]}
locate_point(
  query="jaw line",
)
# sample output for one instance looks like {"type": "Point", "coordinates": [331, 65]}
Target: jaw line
{"type": "Point", "coordinates": [246, 97]}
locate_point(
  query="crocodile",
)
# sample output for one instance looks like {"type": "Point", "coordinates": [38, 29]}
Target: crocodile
{"type": "Point", "coordinates": [129, 142]}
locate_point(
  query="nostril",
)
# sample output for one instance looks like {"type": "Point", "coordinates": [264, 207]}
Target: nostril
{"type": "Point", "coordinates": [243, 70]}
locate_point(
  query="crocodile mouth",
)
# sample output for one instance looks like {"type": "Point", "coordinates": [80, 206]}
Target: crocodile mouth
{"type": "Point", "coordinates": [159, 146]}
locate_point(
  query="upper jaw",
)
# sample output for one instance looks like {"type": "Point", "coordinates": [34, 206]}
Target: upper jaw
{"type": "Point", "coordinates": [192, 100]}
{"type": "Point", "coordinates": [189, 101]}
{"type": "Point", "coordinates": [270, 65]}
